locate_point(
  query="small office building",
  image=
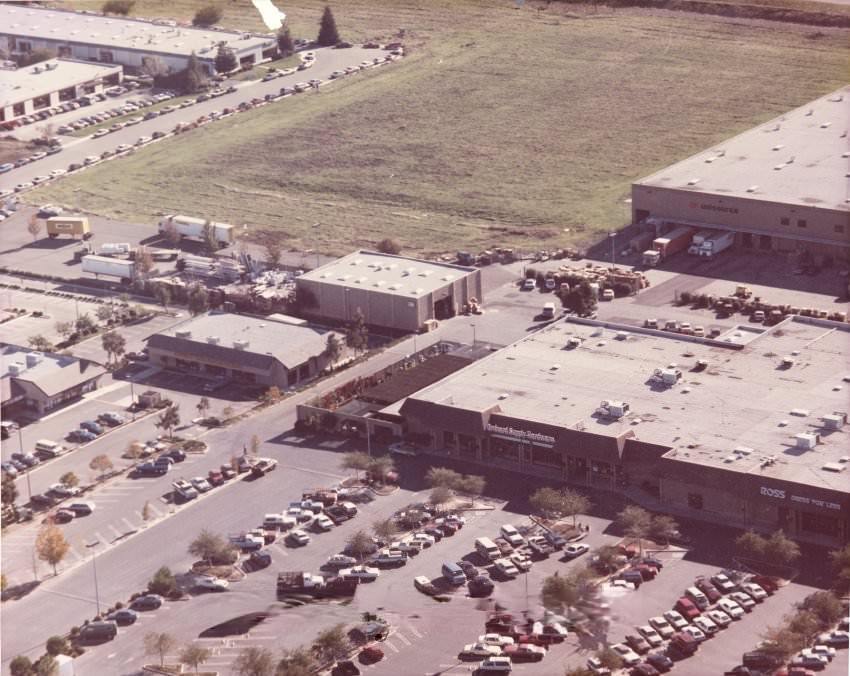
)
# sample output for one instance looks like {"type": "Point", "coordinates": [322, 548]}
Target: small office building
{"type": "Point", "coordinates": [39, 382]}
{"type": "Point", "coordinates": [27, 90]}
{"type": "Point", "coordinates": [263, 351]}
{"type": "Point", "coordinates": [391, 292]}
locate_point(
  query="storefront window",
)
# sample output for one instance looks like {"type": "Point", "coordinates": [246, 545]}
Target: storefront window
{"type": "Point", "coordinates": [822, 524]}
{"type": "Point", "coordinates": [448, 439]}
{"type": "Point", "coordinates": [501, 448]}
{"type": "Point", "coordinates": [547, 456]}
{"type": "Point", "coordinates": [695, 500]}
{"type": "Point", "coordinates": [467, 445]}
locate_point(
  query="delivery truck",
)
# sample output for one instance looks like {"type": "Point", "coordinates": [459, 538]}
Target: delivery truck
{"type": "Point", "coordinates": [75, 226]}
{"type": "Point", "coordinates": [110, 267]}
{"type": "Point", "coordinates": [667, 245]}
{"type": "Point", "coordinates": [717, 244]}
{"type": "Point", "coordinates": [697, 240]}
{"type": "Point", "coordinates": [193, 228]}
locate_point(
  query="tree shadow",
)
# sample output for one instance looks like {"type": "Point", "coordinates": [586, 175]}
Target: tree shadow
{"type": "Point", "coordinates": [19, 591]}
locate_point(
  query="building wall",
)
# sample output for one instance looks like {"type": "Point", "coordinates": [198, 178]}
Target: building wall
{"type": "Point", "coordinates": [789, 227]}
{"type": "Point", "coordinates": [39, 401]}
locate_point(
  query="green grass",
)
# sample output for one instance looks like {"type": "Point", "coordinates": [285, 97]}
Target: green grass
{"type": "Point", "coordinates": [501, 127]}
{"type": "Point", "coordinates": [88, 131]}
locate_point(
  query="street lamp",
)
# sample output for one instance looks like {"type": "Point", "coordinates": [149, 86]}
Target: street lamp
{"type": "Point", "coordinates": [472, 324]}
{"type": "Point", "coordinates": [21, 449]}
{"type": "Point", "coordinates": [613, 237]}
{"type": "Point", "coordinates": [92, 545]}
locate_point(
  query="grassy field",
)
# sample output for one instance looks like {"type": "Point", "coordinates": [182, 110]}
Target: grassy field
{"type": "Point", "coordinates": [502, 126]}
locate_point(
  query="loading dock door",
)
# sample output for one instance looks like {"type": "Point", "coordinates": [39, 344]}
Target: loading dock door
{"type": "Point", "coordinates": [444, 308]}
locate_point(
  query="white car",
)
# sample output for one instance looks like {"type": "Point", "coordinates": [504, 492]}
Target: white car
{"type": "Point", "coordinates": [501, 665]}
{"type": "Point", "coordinates": [676, 620]}
{"type": "Point", "coordinates": [184, 489]}
{"type": "Point", "coordinates": [521, 561]}
{"type": "Point", "coordinates": [731, 608]}
{"type": "Point", "coordinates": [26, 185]}
{"type": "Point", "coordinates": [480, 650]}
{"type": "Point", "coordinates": [705, 625]}
{"type": "Point", "coordinates": [743, 600]}
{"type": "Point", "coordinates": [57, 172]}
{"type": "Point", "coordinates": [809, 661]}
{"type": "Point", "coordinates": [755, 591]}
{"type": "Point", "coordinates": [123, 148]}
{"type": "Point", "coordinates": [424, 538]}
{"type": "Point", "coordinates": [595, 665]}
{"type": "Point", "coordinates": [575, 550]}
{"type": "Point", "coordinates": [91, 159]}
{"type": "Point", "coordinates": [201, 485]}
{"type": "Point", "coordinates": [337, 73]}
{"type": "Point", "coordinates": [512, 535]}
{"type": "Point", "coordinates": [322, 522]}
{"type": "Point", "coordinates": [719, 618]}
{"type": "Point", "coordinates": [362, 573]}
{"type": "Point", "coordinates": [496, 639]}
{"type": "Point", "coordinates": [630, 657]}
{"type": "Point", "coordinates": [824, 650]}
{"type": "Point", "coordinates": [100, 132]}
{"type": "Point", "coordinates": [211, 583]}
{"type": "Point", "coordinates": [723, 583]}
{"type": "Point", "coordinates": [299, 537]}
{"type": "Point", "coordinates": [622, 584]}
{"type": "Point", "coordinates": [341, 561]}
{"type": "Point", "coordinates": [698, 634]}
{"type": "Point", "coordinates": [63, 490]}
{"type": "Point", "coordinates": [650, 635]}
{"type": "Point", "coordinates": [38, 180]}
{"type": "Point", "coordinates": [506, 567]}
{"type": "Point", "coordinates": [142, 140]}
{"type": "Point", "coordinates": [662, 626]}
{"type": "Point", "coordinates": [837, 638]}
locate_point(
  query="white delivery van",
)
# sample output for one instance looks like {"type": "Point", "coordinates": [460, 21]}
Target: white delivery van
{"type": "Point", "coordinates": [48, 449]}
{"type": "Point", "coordinates": [487, 549]}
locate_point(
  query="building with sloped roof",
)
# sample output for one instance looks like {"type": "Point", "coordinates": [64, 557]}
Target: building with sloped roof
{"type": "Point", "coordinates": [263, 351]}
{"type": "Point", "coordinates": [42, 381]}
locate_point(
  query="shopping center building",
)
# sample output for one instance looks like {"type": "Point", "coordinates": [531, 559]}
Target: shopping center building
{"type": "Point", "coordinates": [748, 428]}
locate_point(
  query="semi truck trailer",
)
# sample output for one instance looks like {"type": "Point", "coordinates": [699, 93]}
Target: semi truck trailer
{"type": "Point", "coordinates": [717, 244]}
{"type": "Point", "coordinates": [111, 267]}
{"type": "Point", "coordinates": [671, 243]}
{"type": "Point", "coordinates": [697, 240]}
{"type": "Point", "coordinates": [193, 228]}
{"type": "Point", "coordinates": [75, 226]}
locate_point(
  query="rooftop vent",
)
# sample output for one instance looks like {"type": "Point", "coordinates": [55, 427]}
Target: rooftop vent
{"type": "Point", "coordinates": [33, 358]}
{"type": "Point", "coordinates": [183, 334]}
{"type": "Point", "coordinates": [752, 188]}
{"type": "Point", "coordinates": [240, 344]}
{"type": "Point", "coordinates": [778, 147]}
{"type": "Point", "coordinates": [834, 421]}
{"type": "Point", "coordinates": [613, 409]}
{"type": "Point", "coordinates": [807, 440]}
{"type": "Point", "coordinates": [743, 450]}
{"type": "Point", "coordinates": [800, 412]}
{"type": "Point", "coordinates": [693, 181]}
{"type": "Point", "coordinates": [213, 340]}
{"type": "Point", "coordinates": [503, 395]}
{"type": "Point", "coordinates": [833, 467]}
{"type": "Point", "coordinates": [16, 369]}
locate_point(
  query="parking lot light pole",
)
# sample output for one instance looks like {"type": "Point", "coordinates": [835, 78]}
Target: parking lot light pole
{"type": "Point", "coordinates": [132, 398]}
{"type": "Point", "coordinates": [613, 238]}
{"type": "Point", "coordinates": [21, 449]}
{"type": "Point", "coordinates": [473, 333]}
{"type": "Point", "coordinates": [92, 545]}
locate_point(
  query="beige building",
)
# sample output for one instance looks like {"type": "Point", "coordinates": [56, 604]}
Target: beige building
{"type": "Point", "coordinates": [781, 186]}
{"type": "Point", "coordinates": [393, 292]}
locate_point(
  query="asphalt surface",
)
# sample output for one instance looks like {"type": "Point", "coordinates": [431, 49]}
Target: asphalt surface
{"type": "Point", "coordinates": [76, 149]}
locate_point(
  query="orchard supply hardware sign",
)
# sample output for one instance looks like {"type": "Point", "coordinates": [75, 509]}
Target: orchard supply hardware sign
{"type": "Point", "coordinates": [521, 435]}
{"type": "Point", "coordinates": [782, 495]}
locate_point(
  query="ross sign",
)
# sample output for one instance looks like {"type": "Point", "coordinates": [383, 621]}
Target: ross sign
{"type": "Point", "coordinates": [524, 435]}
{"type": "Point", "coordinates": [781, 495]}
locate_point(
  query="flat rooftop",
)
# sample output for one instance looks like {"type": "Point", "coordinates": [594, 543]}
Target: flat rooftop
{"type": "Point", "coordinates": [47, 77]}
{"type": "Point", "coordinates": [290, 343]}
{"type": "Point", "coordinates": [798, 158]}
{"type": "Point", "coordinates": [118, 32]}
{"type": "Point", "coordinates": [386, 273]}
{"type": "Point", "coordinates": [744, 398]}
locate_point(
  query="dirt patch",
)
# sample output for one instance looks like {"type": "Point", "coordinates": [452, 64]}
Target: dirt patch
{"type": "Point", "coordinates": [12, 149]}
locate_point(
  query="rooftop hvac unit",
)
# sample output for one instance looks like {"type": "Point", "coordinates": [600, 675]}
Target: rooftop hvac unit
{"type": "Point", "coordinates": [33, 358]}
{"type": "Point", "coordinates": [834, 421]}
{"type": "Point", "coordinates": [613, 409]}
{"type": "Point", "coordinates": [16, 369]}
{"type": "Point", "coordinates": [183, 334]}
{"type": "Point", "coordinates": [213, 340]}
{"type": "Point", "coordinates": [807, 440]}
{"type": "Point", "coordinates": [240, 344]}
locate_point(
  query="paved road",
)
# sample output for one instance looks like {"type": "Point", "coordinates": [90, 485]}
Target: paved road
{"type": "Point", "coordinates": [76, 150]}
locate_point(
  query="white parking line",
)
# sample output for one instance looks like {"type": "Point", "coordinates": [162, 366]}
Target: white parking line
{"type": "Point", "coordinates": [403, 638]}
{"type": "Point", "coordinates": [128, 524]}
{"type": "Point", "coordinates": [414, 631]}
{"type": "Point", "coordinates": [392, 646]}
{"type": "Point", "coordinates": [115, 531]}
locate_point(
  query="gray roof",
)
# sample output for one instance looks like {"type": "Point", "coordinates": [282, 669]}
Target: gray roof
{"type": "Point", "coordinates": [119, 33]}
{"type": "Point", "coordinates": [797, 158]}
{"type": "Point", "coordinates": [743, 399]}
{"type": "Point", "coordinates": [47, 77]}
{"type": "Point", "coordinates": [385, 273]}
{"type": "Point", "coordinates": [253, 342]}
{"type": "Point", "coordinates": [52, 374]}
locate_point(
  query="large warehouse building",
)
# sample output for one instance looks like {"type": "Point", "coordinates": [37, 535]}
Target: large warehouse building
{"type": "Point", "coordinates": [25, 91]}
{"type": "Point", "coordinates": [391, 291]}
{"type": "Point", "coordinates": [748, 429]}
{"type": "Point", "coordinates": [133, 43]}
{"type": "Point", "coordinates": [782, 186]}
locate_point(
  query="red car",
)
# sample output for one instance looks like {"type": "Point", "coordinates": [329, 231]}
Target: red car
{"type": "Point", "coordinates": [708, 589]}
{"type": "Point", "coordinates": [371, 654]}
{"type": "Point", "coordinates": [686, 608]}
{"type": "Point", "coordinates": [766, 583]}
{"type": "Point", "coordinates": [646, 572]}
{"type": "Point", "coordinates": [215, 477]}
{"type": "Point", "coordinates": [524, 652]}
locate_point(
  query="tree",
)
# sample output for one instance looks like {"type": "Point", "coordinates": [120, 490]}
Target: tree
{"type": "Point", "coordinates": [163, 582]}
{"type": "Point", "coordinates": [780, 549]}
{"type": "Point", "coordinates": [9, 491]}
{"type": "Point", "coordinates": [332, 644]}
{"type": "Point", "coordinates": [379, 467]}
{"type": "Point", "coordinates": [46, 665]}
{"type": "Point", "coordinates": [360, 544]}
{"type": "Point", "coordinates": [253, 661]}
{"type": "Point", "coordinates": [85, 324]}
{"type": "Point", "coordinates": [442, 476]}
{"type": "Point", "coordinates": [389, 246]}
{"type": "Point", "coordinates": [34, 226]}
{"type": "Point", "coordinates": [35, 56]}
{"type": "Point", "coordinates": [57, 645]}
{"type": "Point", "coordinates": [559, 593]}
{"type": "Point", "coordinates": [298, 662]}
{"type": "Point", "coordinates": [573, 503]}
{"type": "Point", "coordinates": [285, 45]}
{"type": "Point", "coordinates": [578, 671]}
{"type": "Point", "coordinates": [271, 396]}
{"type": "Point", "coordinates": [135, 450]}
{"type": "Point", "coordinates": [781, 643]}
{"type": "Point", "coordinates": [169, 419]}
{"type": "Point", "coordinates": [273, 253]}
{"type": "Point", "coordinates": [122, 7]}
{"type": "Point", "coordinates": [210, 243]}
{"type": "Point", "coordinates": [384, 529]}
{"type": "Point", "coordinates": [69, 480]}
{"type": "Point", "coordinates": [609, 659]}
{"type": "Point", "coordinates": [194, 655]}
{"type": "Point", "coordinates": [147, 512]}
{"type": "Point", "coordinates": [440, 495]}
{"type": "Point", "coordinates": [171, 234]}
{"type": "Point", "coordinates": [210, 547]}
{"type": "Point", "coordinates": [824, 606]}
{"type": "Point", "coordinates": [333, 347]}
{"type": "Point", "coordinates": [154, 67]}
{"type": "Point", "coordinates": [40, 343]}
{"type": "Point", "coordinates": [580, 299]}
{"type": "Point", "coordinates": [472, 485]}
{"type": "Point", "coordinates": [203, 407]}
{"type": "Point", "coordinates": [328, 34]}
{"type": "Point", "coordinates": [356, 461]}
{"type": "Point", "coordinates": [547, 502]}
{"type": "Point", "coordinates": [198, 299]}
{"type": "Point", "coordinates": [159, 643]}
{"type": "Point", "coordinates": [663, 528]}
{"type": "Point", "coordinates": [194, 78]}
{"type": "Point", "coordinates": [635, 522]}
{"type": "Point", "coordinates": [208, 15]}
{"type": "Point", "coordinates": [163, 295]}
{"type": "Point", "coordinates": [144, 261]}
{"type": "Point", "coordinates": [225, 59]}
{"type": "Point", "coordinates": [101, 463]}
{"type": "Point", "coordinates": [51, 545]}
{"type": "Point", "coordinates": [20, 666]}
{"type": "Point", "coordinates": [104, 312]}
{"type": "Point", "coordinates": [357, 335]}
{"type": "Point", "coordinates": [64, 329]}
{"type": "Point", "coordinates": [606, 559]}
{"type": "Point", "coordinates": [114, 344]}
{"type": "Point", "coordinates": [807, 626]}
{"type": "Point", "coordinates": [750, 545]}
{"type": "Point", "coordinates": [840, 561]}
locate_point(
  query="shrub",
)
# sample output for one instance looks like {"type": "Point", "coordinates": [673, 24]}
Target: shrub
{"type": "Point", "coordinates": [207, 16]}
{"type": "Point", "coordinates": [122, 7]}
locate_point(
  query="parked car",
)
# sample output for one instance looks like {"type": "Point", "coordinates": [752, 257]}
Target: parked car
{"type": "Point", "coordinates": [479, 650]}
{"type": "Point", "coordinates": [340, 561]}
{"type": "Point", "coordinates": [496, 639]}
{"type": "Point", "coordinates": [719, 618]}
{"type": "Point", "coordinates": [711, 592]}
{"type": "Point", "coordinates": [62, 516]}
{"type": "Point", "coordinates": [524, 652]}
{"type": "Point", "coordinates": [660, 661]}
{"type": "Point", "coordinates": [744, 600]}
{"type": "Point", "coordinates": [64, 491]}
{"type": "Point", "coordinates": [663, 627]}
{"type": "Point", "coordinates": [263, 466]}
{"type": "Point", "coordinates": [630, 657]}
{"type": "Point", "coordinates": [298, 537]}
{"type": "Point", "coordinates": [111, 418]}
{"type": "Point", "coordinates": [146, 602]}
{"type": "Point", "coordinates": [575, 550]}
{"type": "Point", "coordinates": [731, 608]}
{"type": "Point", "coordinates": [200, 484]}
{"type": "Point", "coordinates": [211, 583]}
{"type": "Point", "coordinates": [81, 436]}
{"type": "Point", "coordinates": [511, 534]}
{"type": "Point", "coordinates": [637, 643]}
{"type": "Point", "coordinates": [754, 591]}
{"type": "Point", "coordinates": [650, 635]}
{"type": "Point", "coordinates": [835, 639]}
{"type": "Point", "coordinates": [123, 617]}
{"type": "Point", "coordinates": [675, 619]}
{"type": "Point", "coordinates": [723, 583]}
{"type": "Point", "coordinates": [362, 573]}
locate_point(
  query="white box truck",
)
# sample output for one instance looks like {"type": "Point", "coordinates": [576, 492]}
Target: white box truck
{"type": "Point", "coordinates": [697, 241]}
{"type": "Point", "coordinates": [193, 228]}
{"type": "Point", "coordinates": [717, 244]}
{"type": "Point", "coordinates": [110, 267]}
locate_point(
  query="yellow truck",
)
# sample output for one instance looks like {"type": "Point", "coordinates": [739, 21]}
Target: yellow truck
{"type": "Point", "coordinates": [68, 225]}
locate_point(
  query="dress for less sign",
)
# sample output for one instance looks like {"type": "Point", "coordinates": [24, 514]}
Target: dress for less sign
{"type": "Point", "coordinates": [782, 495]}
